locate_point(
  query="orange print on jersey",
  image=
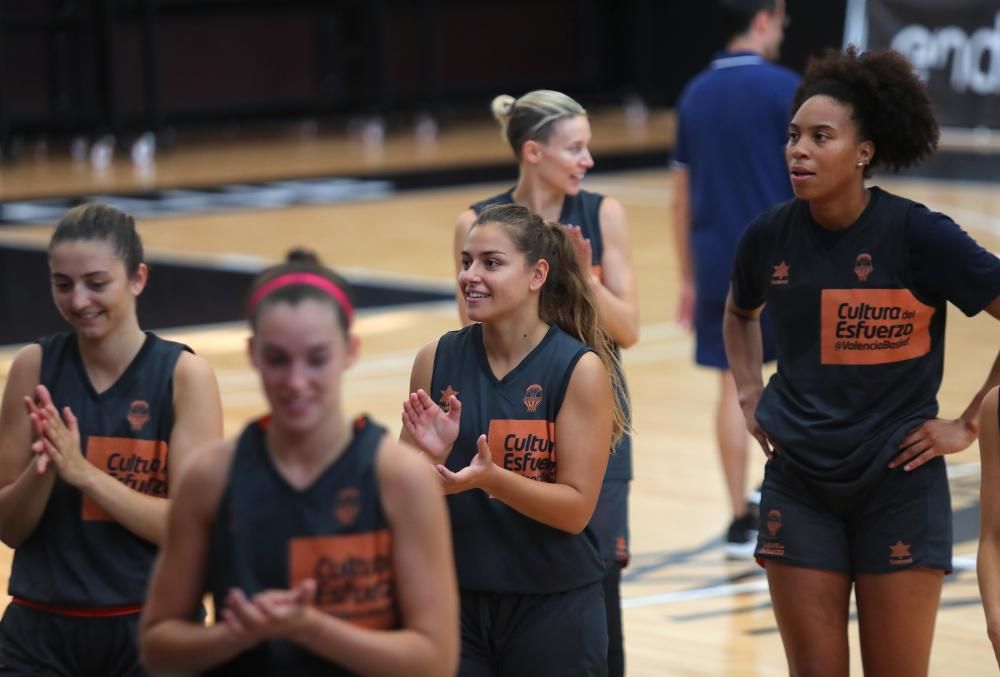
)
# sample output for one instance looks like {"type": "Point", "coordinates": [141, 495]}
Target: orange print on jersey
{"type": "Point", "coordinates": [446, 398]}
{"type": "Point", "coordinates": [533, 397]}
{"type": "Point", "coordinates": [138, 414]}
{"type": "Point", "coordinates": [781, 273]}
{"type": "Point", "coordinates": [138, 464]}
{"type": "Point", "coordinates": [873, 326]}
{"type": "Point", "coordinates": [347, 506]}
{"type": "Point", "coordinates": [353, 574]}
{"type": "Point", "coordinates": [525, 447]}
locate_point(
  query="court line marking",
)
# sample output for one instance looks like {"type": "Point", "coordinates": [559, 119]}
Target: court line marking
{"type": "Point", "coordinates": [756, 586]}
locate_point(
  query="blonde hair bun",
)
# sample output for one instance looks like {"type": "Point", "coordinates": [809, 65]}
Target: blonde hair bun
{"type": "Point", "coordinates": [502, 108]}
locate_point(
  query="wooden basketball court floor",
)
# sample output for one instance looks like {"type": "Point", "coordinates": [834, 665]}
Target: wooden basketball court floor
{"type": "Point", "coordinates": [687, 610]}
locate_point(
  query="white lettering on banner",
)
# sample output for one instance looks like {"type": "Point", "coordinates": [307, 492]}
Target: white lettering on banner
{"type": "Point", "coordinates": [975, 59]}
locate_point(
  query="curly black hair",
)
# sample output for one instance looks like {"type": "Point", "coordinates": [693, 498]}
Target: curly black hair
{"type": "Point", "coordinates": [889, 103]}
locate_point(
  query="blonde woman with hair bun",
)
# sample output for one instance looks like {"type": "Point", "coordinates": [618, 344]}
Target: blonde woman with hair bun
{"type": "Point", "coordinates": [550, 135]}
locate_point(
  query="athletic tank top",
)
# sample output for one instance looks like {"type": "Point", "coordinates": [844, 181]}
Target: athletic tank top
{"type": "Point", "coordinates": [78, 556]}
{"type": "Point", "coordinates": [584, 210]}
{"type": "Point", "coordinates": [497, 549]}
{"type": "Point", "coordinates": [270, 535]}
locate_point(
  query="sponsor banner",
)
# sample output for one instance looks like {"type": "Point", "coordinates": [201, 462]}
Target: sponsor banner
{"type": "Point", "coordinates": [525, 447]}
{"type": "Point", "coordinates": [353, 574]}
{"type": "Point", "coordinates": [138, 464]}
{"type": "Point", "coordinates": [873, 326]}
{"type": "Point", "coordinates": [953, 44]}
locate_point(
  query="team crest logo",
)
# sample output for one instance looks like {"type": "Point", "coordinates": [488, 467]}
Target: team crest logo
{"type": "Point", "coordinates": [780, 274]}
{"type": "Point", "coordinates": [773, 522]}
{"type": "Point", "coordinates": [899, 553]}
{"type": "Point", "coordinates": [138, 414]}
{"type": "Point", "coordinates": [446, 396]}
{"type": "Point", "coordinates": [347, 506]}
{"type": "Point", "coordinates": [533, 397]}
{"type": "Point", "coordinates": [863, 267]}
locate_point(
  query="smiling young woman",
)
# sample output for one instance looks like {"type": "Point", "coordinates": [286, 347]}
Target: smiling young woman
{"type": "Point", "coordinates": [323, 542]}
{"type": "Point", "coordinates": [855, 490]}
{"type": "Point", "coordinates": [549, 134]}
{"type": "Point", "coordinates": [521, 438]}
{"type": "Point", "coordinates": [115, 412]}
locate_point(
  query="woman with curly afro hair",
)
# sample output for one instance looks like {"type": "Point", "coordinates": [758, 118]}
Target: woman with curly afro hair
{"type": "Point", "coordinates": [858, 279]}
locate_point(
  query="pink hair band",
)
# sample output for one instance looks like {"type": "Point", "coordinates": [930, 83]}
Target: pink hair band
{"type": "Point", "coordinates": [309, 280]}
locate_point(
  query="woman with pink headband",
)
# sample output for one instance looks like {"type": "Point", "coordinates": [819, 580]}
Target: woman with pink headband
{"type": "Point", "coordinates": [324, 543]}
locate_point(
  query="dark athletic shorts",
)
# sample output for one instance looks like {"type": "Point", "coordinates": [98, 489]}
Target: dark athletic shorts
{"type": "Point", "coordinates": [35, 642]}
{"type": "Point", "coordinates": [556, 635]}
{"type": "Point", "coordinates": [901, 521]}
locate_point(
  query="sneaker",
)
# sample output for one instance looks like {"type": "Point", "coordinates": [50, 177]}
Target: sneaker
{"type": "Point", "coordinates": [741, 537]}
{"type": "Point", "coordinates": [753, 505]}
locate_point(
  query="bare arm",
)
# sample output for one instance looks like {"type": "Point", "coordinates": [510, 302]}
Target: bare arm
{"type": "Point", "coordinates": [24, 491]}
{"type": "Point", "coordinates": [197, 412]}
{"type": "Point", "coordinates": [426, 426]}
{"type": "Point", "coordinates": [583, 443]}
{"type": "Point", "coordinates": [992, 379]}
{"type": "Point", "coordinates": [988, 559]}
{"type": "Point", "coordinates": [745, 352]}
{"type": "Point", "coordinates": [427, 644]}
{"type": "Point", "coordinates": [170, 640]}
{"type": "Point", "coordinates": [197, 421]}
{"type": "Point", "coordinates": [617, 297]}
{"type": "Point", "coordinates": [938, 436]}
{"type": "Point", "coordinates": [462, 227]}
{"type": "Point", "coordinates": [682, 243]}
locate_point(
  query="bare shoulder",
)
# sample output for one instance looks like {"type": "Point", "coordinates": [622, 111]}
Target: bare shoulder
{"type": "Point", "coordinates": [589, 374]}
{"type": "Point", "coordinates": [27, 364]}
{"type": "Point", "coordinates": [423, 367]}
{"type": "Point", "coordinates": [464, 222]}
{"type": "Point", "coordinates": [427, 352]}
{"type": "Point", "coordinates": [25, 373]}
{"type": "Point", "coordinates": [403, 475]}
{"type": "Point", "coordinates": [204, 476]}
{"type": "Point", "coordinates": [612, 207]}
{"type": "Point", "coordinates": [612, 213]}
{"type": "Point", "coordinates": [192, 371]}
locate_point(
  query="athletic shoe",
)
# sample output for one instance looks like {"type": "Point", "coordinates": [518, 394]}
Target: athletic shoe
{"type": "Point", "coordinates": [741, 538]}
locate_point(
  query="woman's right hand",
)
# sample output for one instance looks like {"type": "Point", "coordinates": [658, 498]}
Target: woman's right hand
{"type": "Point", "coordinates": [430, 427]}
{"type": "Point", "coordinates": [41, 460]}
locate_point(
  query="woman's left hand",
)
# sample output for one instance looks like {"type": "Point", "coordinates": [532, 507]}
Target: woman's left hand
{"type": "Point", "coordinates": [935, 437]}
{"type": "Point", "coordinates": [473, 476]}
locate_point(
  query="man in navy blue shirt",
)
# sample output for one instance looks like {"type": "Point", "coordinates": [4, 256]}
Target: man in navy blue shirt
{"type": "Point", "coordinates": [729, 166]}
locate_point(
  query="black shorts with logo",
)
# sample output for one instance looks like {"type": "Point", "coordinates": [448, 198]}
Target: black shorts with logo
{"type": "Point", "coordinates": [511, 635]}
{"type": "Point", "coordinates": [35, 642]}
{"type": "Point", "coordinates": [900, 521]}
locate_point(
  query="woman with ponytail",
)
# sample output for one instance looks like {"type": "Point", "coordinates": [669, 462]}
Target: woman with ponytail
{"type": "Point", "coordinates": [549, 134]}
{"type": "Point", "coordinates": [323, 542]}
{"type": "Point", "coordinates": [520, 426]}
